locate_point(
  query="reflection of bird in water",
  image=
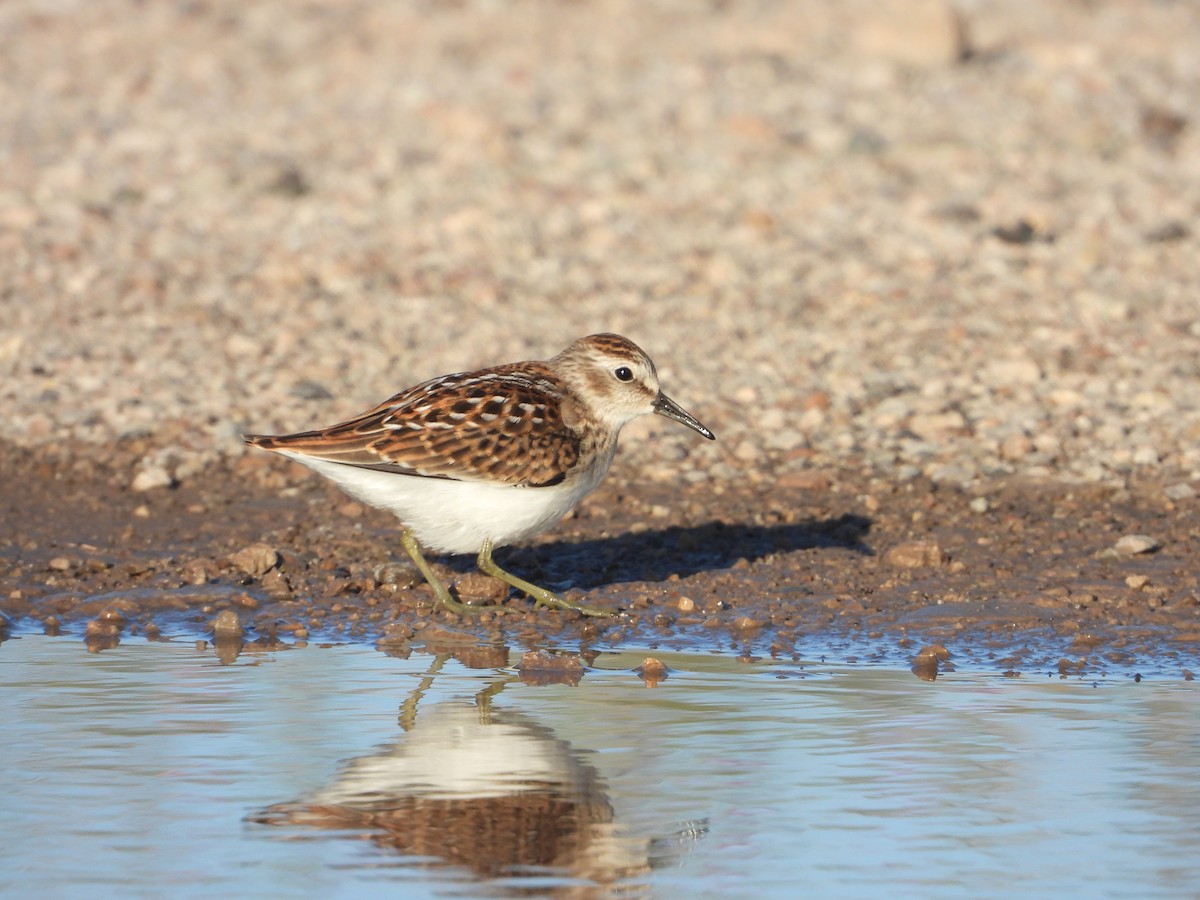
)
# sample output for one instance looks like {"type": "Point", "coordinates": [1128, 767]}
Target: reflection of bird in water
{"type": "Point", "coordinates": [493, 791]}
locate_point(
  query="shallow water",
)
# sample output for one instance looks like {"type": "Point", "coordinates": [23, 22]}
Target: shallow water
{"type": "Point", "coordinates": [151, 768]}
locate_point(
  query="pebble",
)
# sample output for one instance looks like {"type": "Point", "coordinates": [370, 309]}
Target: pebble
{"type": "Point", "coordinates": [951, 473]}
{"type": "Point", "coordinates": [276, 584]}
{"type": "Point", "coordinates": [1145, 456]}
{"type": "Point", "coordinates": [542, 667]}
{"type": "Point", "coordinates": [935, 425]}
{"type": "Point", "coordinates": [1014, 371]}
{"type": "Point", "coordinates": [652, 671]}
{"type": "Point", "coordinates": [926, 665]}
{"type": "Point", "coordinates": [747, 451]}
{"type": "Point", "coordinates": [1133, 544]}
{"type": "Point", "coordinates": [979, 505]}
{"type": "Point", "coordinates": [1180, 492]}
{"type": "Point", "coordinates": [476, 587]}
{"type": "Point", "coordinates": [1015, 447]}
{"type": "Point", "coordinates": [226, 624]}
{"type": "Point", "coordinates": [101, 629]}
{"type": "Point", "coordinates": [199, 571]}
{"type": "Point", "coordinates": [256, 559]}
{"type": "Point", "coordinates": [400, 574]}
{"type": "Point", "coordinates": [915, 555]}
{"type": "Point", "coordinates": [150, 478]}
{"type": "Point", "coordinates": [921, 34]}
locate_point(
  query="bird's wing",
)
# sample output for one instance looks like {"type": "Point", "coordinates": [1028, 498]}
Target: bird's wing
{"type": "Point", "coordinates": [503, 425]}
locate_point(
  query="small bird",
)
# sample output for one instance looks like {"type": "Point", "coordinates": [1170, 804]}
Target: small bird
{"type": "Point", "coordinates": [477, 460]}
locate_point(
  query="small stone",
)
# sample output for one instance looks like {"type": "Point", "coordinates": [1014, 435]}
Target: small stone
{"type": "Point", "coordinates": [950, 473]}
{"type": "Point", "coordinates": [107, 624]}
{"type": "Point", "coordinates": [1168, 232]}
{"type": "Point", "coordinates": [142, 512]}
{"type": "Point", "coordinates": [747, 451]}
{"type": "Point", "coordinates": [112, 616]}
{"type": "Point", "coordinates": [915, 33]}
{"type": "Point", "coordinates": [1132, 544]}
{"type": "Point", "coordinates": [934, 425]}
{"type": "Point", "coordinates": [1145, 456]}
{"type": "Point", "coordinates": [1137, 582]}
{"type": "Point", "coordinates": [1021, 231]}
{"type": "Point", "coordinates": [242, 345]}
{"type": "Point", "coordinates": [745, 623]}
{"type": "Point", "coordinates": [1008, 372]}
{"type": "Point", "coordinates": [935, 651]}
{"type": "Point", "coordinates": [256, 559]}
{"type": "Point", "coordinates": [926, 665]}
{"type": "Point", "coordinates": [685, 604]}
{"type": "Point", "coordinates": [276, 584]}
{"type": "Point", "coordinates": [915, 555]}
{"type": "Point", "coordinates": [1048, 445]}
{"type": "Point", "coordinates": [478, 588]}
{"type": "Point", "coordinates": [538, 667]}
{"type": "Point", "coordinates": [1015, 446]}
{"type": "Point", "coordinates": [400, 574]}
{"type": "Point", "coordinates": [199, 571]}
{"type": "Point", "coordinates": [227, 625]}
{"type": "Point", "coordinates": [816, 400]}
{"type": "Point", "coordinates": [652, 671]}
{"type": "Point", "coordinates": [980, 505]}
{"type": "Point", "coordinates": [307, 389]}
{"type": "Point", "coordinates": [1181, 491]}
{"type": "Point", "coordinates": [59, 564]}
{"type": "Point", "coordinates": [151, 477]}
{"type": "Point", "coordinates": [805, 480]}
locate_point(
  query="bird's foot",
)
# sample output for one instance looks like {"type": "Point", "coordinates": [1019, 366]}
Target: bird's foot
{"type": "Point", "coordinates": [540, 595]}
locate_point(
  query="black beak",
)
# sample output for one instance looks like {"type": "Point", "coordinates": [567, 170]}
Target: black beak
{"type": "Point", "coordinates": [665, 406]}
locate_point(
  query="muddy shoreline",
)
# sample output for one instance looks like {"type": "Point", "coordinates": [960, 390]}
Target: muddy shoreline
{"type": "Point", "coordinates": [1020, 576]}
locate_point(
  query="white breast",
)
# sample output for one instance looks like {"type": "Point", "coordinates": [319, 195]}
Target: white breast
{"type": "Point", "coordinates": [457, 516]}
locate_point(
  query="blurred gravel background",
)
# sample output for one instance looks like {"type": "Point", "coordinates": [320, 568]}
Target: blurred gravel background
{"type": "Point", "coordinates": [958, 240]}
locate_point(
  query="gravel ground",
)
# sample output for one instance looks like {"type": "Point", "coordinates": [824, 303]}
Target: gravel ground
{"type": "Point", "coordinates": [960, 244]}
{"type": "Point", "coordinates": [953, 243]}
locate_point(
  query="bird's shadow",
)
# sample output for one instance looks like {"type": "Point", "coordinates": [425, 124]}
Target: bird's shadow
{"type": "Point", "coordinates": [656, 554]}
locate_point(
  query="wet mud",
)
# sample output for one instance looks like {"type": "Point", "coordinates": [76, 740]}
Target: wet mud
{"type": "Point", "coordinates": [1022, 577]}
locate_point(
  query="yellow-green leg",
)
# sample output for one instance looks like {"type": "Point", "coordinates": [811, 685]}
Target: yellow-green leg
{"type": "Point", "coordinates": [408, 540]}
{"type": "Point", "coordinates": [540, 595]}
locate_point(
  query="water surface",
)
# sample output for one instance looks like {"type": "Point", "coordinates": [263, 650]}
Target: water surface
{"type": "Point", "coordinates": [152, 767]}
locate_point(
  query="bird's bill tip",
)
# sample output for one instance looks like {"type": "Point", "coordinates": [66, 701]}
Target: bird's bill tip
{"type": "Point", "coordinates": [262, 441]}
{"type": "Point", "coordinates": [665, 406]}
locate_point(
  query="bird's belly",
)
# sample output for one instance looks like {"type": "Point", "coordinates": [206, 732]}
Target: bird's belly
{"type": "Point", "coordinates": [457, 516]}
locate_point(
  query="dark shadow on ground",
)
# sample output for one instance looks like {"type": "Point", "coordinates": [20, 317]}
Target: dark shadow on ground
{"type": "Point", "coordinates": [655, 555]}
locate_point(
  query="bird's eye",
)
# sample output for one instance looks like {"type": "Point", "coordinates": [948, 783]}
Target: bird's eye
{"type": "Point", "coordinates": [624, 373]}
